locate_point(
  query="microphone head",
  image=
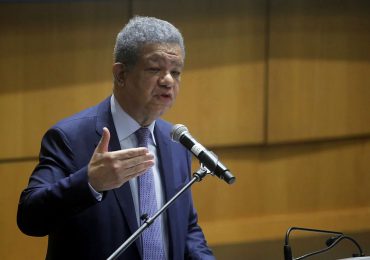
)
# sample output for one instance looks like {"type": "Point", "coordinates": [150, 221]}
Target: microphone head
{"type": "Point", "coordinates": [177, 131]}
{"type": "Point", "coordinates": [331, 240]}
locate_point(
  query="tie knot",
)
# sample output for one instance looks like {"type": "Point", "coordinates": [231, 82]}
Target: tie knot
{"type": "Point", "coordinates": [142, 135]}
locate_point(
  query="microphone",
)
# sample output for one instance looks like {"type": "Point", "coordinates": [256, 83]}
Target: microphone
{"type": "Point", "coordinates": [288, 250]}
{"type": "Point", "coordinates": [181, 134]}
{"type": "Point", "coordinates": [330, 243]}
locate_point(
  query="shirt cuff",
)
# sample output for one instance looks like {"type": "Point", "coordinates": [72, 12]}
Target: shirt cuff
{"type": "Point", "coordinates": [98, 196]}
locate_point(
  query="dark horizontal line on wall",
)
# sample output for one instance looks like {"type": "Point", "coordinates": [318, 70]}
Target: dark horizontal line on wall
{"type": "Point", "coordinates": [319, 140]}
{"type": "Point", "coordinates": [297, 142]}
{"type": "Point", "coordinates": [45, 1]}
{"type": "Point", "coordinates": [354, 138]}
{"type": "Point", "coordinates": [19, 159]}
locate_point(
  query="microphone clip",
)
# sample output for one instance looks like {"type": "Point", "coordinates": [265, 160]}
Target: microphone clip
{"type": "Point", "coordinates": [201, 173]}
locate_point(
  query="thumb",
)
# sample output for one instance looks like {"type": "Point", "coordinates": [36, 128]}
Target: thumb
{"type": "Point", "coordinates": [102, 146]}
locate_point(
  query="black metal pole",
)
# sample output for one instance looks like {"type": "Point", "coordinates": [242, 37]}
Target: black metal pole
{"type": "Point", "coordinates": [197, 177]}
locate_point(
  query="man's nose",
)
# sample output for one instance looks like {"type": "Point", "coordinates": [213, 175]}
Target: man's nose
{"type": "Point", "coordinates": [166, 80]}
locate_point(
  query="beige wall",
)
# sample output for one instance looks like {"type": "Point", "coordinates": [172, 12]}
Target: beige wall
{"type": "Point", "coordinates": [279, 90]}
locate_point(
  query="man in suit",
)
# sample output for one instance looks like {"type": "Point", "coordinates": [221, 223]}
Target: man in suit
{"type": "Point", "coordinates": [100, 171]}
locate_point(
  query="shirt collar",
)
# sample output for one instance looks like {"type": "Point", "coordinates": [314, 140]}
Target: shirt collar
{"type": "Point", "coordinates": [124, 123]}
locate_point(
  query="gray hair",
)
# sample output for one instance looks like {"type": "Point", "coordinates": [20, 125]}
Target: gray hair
{"type": "Point", "coordinates": [143, 30]}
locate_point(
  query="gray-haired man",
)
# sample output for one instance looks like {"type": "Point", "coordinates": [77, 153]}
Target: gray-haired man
{"type": "Point", "coordinates": [103, 168]}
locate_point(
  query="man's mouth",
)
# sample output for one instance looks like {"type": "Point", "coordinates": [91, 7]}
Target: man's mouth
{"type": "Point", "coordinates": [166, 95]}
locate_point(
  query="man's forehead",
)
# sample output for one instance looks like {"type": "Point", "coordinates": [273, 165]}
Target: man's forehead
{"type": "Point", "coordinates": [157, 51]}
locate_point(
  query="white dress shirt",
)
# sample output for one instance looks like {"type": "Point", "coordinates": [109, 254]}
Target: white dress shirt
{"type": "Point", "coordinates": [126, 127]}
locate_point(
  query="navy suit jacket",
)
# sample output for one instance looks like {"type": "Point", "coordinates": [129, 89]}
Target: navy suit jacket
{"type": "Point", "coordinates": [58, 201]}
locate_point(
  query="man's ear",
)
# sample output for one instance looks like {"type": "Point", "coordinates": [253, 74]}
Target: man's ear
{"type": "Point", "coordinates": [119, 73]}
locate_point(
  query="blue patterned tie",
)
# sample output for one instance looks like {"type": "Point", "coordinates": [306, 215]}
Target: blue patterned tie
{"type": "Point", "coordinates": [152, 236]}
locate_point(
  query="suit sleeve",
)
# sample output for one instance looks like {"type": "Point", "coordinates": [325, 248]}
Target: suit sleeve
{"type": "Point", "coordinates": [196, 244]}
{"type": "Point", "coordinates": [56, 189]}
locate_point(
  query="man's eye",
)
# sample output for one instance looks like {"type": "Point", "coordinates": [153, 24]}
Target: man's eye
{"type": "Point", "coordinates": [175, 73]}
{"type": "Point", "coordinates": [153, 69]}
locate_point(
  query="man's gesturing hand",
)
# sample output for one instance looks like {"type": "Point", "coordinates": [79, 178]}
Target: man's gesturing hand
{"type": "Point", "coordinates": [109, 170]}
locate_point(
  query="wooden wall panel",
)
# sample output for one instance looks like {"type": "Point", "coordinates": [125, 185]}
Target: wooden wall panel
{"type": "Point", "coordinates": [55, 59]}
{"type": "Point", "coordinates": [319, 62]}
{"type": "Point", "coordinates": [286, 185]}
{"type": "Point", "coordinates": [323, 185]}
{"type": "Point", "coordinates": [221, 98]}
{"type": "Point", "coordinates": [14, 244]}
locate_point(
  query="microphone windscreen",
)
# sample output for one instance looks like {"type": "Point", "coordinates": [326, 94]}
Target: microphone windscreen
{"type": "Point", "coordinates": [177, 131]}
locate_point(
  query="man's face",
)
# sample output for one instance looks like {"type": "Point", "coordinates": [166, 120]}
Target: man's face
{"type": "Point", "coordinates": [150, 87]}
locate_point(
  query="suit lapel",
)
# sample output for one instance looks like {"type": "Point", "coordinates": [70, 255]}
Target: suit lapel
{"type": "Point", "coordinates": [168, 183]}
{"type": "Point", "coordinates": [122, 194]}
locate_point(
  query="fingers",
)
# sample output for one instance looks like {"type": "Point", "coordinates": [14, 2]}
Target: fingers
{"type": "Point", "coordinates": [123, 163]}
{"type": "Point", "coordinates": [137, 163]}
{"type": "Point", "coordinates": [104, 142]}
{"type": "Point", "coordinates": [109, 170]}
{"type": "Point", "coordinates": [137, 170]}
{"type": "Point", "coordinates": [106, 173]}
{"type": "Point", "coordinates": [135, 175]}
{"type": "Point", "coordinates": [129, 153]}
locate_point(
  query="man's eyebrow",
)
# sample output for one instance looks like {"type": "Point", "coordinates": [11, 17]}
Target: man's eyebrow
{"type": "Point", "coordinates": [178, 63]}
{"type": "Point", "coordinates": [158, 57]}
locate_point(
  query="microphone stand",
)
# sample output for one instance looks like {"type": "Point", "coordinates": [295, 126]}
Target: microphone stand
{"type": "Point", "coordinates": [197, 177]}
